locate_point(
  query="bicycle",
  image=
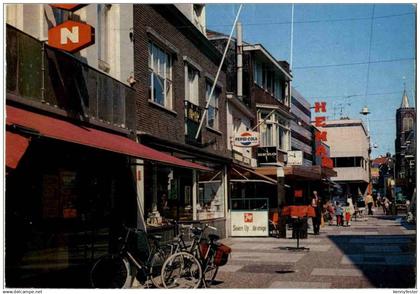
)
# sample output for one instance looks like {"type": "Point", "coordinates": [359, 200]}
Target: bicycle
{"type": "Point", "coordinates": [185, 269]}
{"type": "Point", "coordinates": [118, 270]}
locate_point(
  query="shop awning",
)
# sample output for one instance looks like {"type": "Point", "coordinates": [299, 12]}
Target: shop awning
{"type": "Point", "coordinates": [240, 173]}
{"type": "Point", "coordinates": [16, 146]}
{"type": "Point", "coordinates": [66, 131]}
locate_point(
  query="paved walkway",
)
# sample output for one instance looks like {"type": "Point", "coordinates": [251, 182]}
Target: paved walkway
{"type": "Point", "coordinates": [377, 252]}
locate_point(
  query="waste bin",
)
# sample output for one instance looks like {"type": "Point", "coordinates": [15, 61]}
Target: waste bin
{"type": "Point", "coordinates": [300, 226]}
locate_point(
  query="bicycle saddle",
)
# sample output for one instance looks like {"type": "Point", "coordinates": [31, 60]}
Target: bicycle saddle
{"type": "Point", "coordinates": [213, 237]}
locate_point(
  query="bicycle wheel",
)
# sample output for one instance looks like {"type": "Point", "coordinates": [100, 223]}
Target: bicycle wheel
{"type": "Point", "coordinates": [111, 271]}
{"type": "Point", "coordinates": [156, 265]}
{"type": "Point", "coordinates": [181, 270]}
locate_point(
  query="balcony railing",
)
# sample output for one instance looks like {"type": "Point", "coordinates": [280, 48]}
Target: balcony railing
{"type": "Point", "coordinates": [40, 73]}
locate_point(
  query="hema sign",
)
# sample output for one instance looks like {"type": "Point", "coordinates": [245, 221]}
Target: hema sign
{"type": "Point", "coordinates": [71, 36]}
{"type": "Point", "coordinates": [246, 139]}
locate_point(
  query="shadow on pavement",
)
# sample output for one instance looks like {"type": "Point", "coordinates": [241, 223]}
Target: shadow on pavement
{"type": "Point", "coordinates": [388, 261]}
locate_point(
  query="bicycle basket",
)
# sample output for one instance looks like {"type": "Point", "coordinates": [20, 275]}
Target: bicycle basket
{"type": "Point", "coordinates": [222, 255]}
{"type": "Point", "coordinates": [138, 244]}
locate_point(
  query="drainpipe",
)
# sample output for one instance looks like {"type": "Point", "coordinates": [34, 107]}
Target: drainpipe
{"type": "Point", "coordinates": [43, 72]}
{"type": "Point", "coordinates": [239, 64]}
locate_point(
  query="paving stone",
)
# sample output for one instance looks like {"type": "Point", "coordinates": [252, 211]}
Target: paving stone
{"type": "Point", "coordinates": [262, 256]}
{"type": "Point", "coordinates": [230, 268]}
{"type": "Point", "coordinates": [336, 272]}
{"type": "Point", "coordinates": [289, 284]}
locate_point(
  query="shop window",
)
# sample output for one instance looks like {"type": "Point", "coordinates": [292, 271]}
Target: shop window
{"type": "Point", "coordinates": [169, 195]}
{"type": "Point", "coordinates": [210, 200]}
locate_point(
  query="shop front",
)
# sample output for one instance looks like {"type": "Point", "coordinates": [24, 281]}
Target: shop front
{"type": "Point", "coordinates": [185, 195]}
{"type": "Point", "coordinates": [69, 191]}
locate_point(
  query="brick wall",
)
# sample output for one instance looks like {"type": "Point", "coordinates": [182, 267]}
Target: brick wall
{"type": "Point", "coordinates": [153, 119]}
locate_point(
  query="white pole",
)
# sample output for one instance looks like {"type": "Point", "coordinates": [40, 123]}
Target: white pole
{"type": "Point", "coordinates": [217, 74]}
{"type": "Point", "coordinates": [291, 37]}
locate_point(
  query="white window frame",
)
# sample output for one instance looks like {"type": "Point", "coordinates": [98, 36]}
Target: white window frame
{"type": "Point", "coordinates": [192, 85]}
{"type": "Point", "coordinates": [155, 69]}
{"type": "Point", "coordinates": [103, 27]}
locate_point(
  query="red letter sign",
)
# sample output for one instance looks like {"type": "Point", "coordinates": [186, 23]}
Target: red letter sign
{"type": "Point", "coordinates": [321, 136]}
{"type": "Point", "coordinates": [71, 36]}
{"type": "Point", "coordinates": [320, 107]}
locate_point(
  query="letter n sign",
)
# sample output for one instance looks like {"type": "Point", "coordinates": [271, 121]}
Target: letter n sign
{"type": "Point", "coordinates": [71, 36]}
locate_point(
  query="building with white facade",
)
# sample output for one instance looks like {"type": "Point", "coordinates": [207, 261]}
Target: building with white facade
{"type": "Point", "coordinates": [350, 151]}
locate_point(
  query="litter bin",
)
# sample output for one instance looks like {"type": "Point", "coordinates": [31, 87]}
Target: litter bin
{"type": "Point", "coordinates": [300, 226]}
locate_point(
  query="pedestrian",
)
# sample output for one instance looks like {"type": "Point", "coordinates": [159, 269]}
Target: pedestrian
{"type": "Point", "coordinates": [339, 213]}
{"type": "Point", "coordinates": [351, 208]}
{"type": "Point", "coordinates": [330, 211]}
{"type": "Point", "coordinates": [347, 215]}
{"type": "Point", "coordinates": [369, 203]}
{"type": "Point", "coordinates": [386, 205]}
{"type": "Point", "coordinates": [316, 204]}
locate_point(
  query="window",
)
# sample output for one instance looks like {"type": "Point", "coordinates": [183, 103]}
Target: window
{"type": "Point", "coordinates": [278, 90]}
{"type": "Point", "coordinates": [160, 76]}
{"type": "Point", "coordinates": [267, 134]}
{"type": "Point", "coordinates": [191, 85]}
{"type": "Point", "coordinates": [60, 15]}
{"type": "Point", "coordinates": [210, 200]}
{"type": "Point", "coordinates": [258, 79]}
{"type": "Point", "coordinates": [213, 111]}
{"type": "Point", "coordinates": [408, 124]}
{"type": "Point", "coordinates": [103, 36]}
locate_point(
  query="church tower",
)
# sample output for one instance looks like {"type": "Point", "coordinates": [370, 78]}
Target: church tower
{"type": "Point", "coordinates": [405, 143]}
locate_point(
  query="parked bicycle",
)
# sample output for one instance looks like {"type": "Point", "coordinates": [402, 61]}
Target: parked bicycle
{"type": "Point", "coordinates": [198, 265]}
{"type": "Point", "coordinates": [136, 258]}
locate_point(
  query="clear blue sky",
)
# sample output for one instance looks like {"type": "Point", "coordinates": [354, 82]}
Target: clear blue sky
{"type": "Point", "coordinates": [338, 34]}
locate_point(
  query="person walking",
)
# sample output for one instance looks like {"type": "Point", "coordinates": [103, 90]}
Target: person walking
{"type": "Point", "coordinates": [338, 213]}
{"type": "Point", "coordinates": [316, 204]}
{"type": "Point", "coordinates": [351, 209]}
{"type": "Point", "coordinates": [369, 203]}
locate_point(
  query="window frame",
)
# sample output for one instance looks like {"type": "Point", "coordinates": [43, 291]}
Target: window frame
{"type": "Point", "coordinates": [214, 104]}
{"type": "Point", "coordinates": [167, 74]}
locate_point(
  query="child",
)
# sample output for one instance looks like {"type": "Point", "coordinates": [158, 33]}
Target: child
{"type": "Point", "coordinates": [339, 214]}
{"type": "Point", "coordinates": [347, 215]}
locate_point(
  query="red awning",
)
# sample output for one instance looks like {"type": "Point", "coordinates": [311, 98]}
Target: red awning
{"type": "Point", "coordinates": [15, 148]}
{"type": "Point", "coordinates": [65, 131]}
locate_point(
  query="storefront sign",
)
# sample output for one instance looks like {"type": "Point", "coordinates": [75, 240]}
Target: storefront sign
{"type": "Point", "coordinates": [321, 137]}
{"type": "Point", "coordinates": [192, 112]}
{"type": "Point", "coordinates": [71, 36]}
{"type": "Point", "coordinates": [249, 223]}
{"type": "Point", "coordinates": [246, 139]}
{"type": "Point", "coordinates": [294, 157]}
{"type": "Point", "coordinates": [298, 193]}
{"type": "Point", "coordinates": [267, 154]}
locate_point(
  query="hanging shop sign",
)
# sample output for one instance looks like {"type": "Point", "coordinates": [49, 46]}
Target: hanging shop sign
{"type": "Point", "coordinates": [68, 7]}
{"type": "Point", "coordinates": [267, 154]}
{"type": "Point", "coordinates": [320, 137]}
{"type": "Point", "coordinates": [249, 223]}
{"type": "Point", "coordinates": [294, 157]}
{"type": "Point", "coordinates": [71, 36]}
{"type": "Point", "coordinates": [192, 112]}
{"type": "Point", "coordinates": [246, 139]}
